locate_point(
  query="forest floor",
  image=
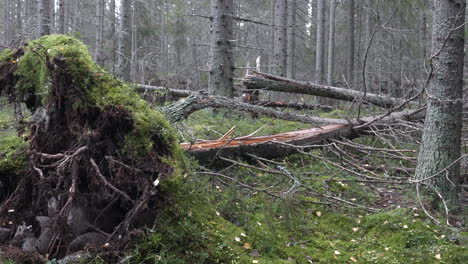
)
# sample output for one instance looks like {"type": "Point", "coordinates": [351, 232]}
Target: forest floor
{"type": "Point", "coordinates": [245, 215]}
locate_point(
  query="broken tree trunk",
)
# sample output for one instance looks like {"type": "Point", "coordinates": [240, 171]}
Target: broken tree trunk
{"type": "Point", "coordinates": [281, 84]}
{"type": "Point", "coordinates": [271, 146]}
{"type": "Point", "coordinates": [278, 145]}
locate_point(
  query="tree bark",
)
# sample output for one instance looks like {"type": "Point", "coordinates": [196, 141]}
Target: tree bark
{"type": "Point", "coordinates": [331, 45]}
{"type": "Point", "coordinates": [280, 84]}
{"type": "Point", "coordinates": [44, 18]}
{"type": "Point", "coordinates": [441, 141]}
{"type": "Point", "coordinates": [280, 33]}
{"type": "Point", "coordinates": [221, 59]}
{"type": "Point", "coordinates": [61, 17]}
{"type": "Point", "coordinates": [291, 63]}
{"type": "Point", "coordinates": [99, 20]}
{"type": "Point", "coordinates": [350, 62]}
{"type": "Point", "coordinates": [320, 48]}
{"type": "Point", "coordinates": [125, 41]}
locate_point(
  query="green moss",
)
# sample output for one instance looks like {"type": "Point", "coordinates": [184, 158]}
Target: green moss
{"type": "Point", "coordinates": [12, 152]}
{"type": "Point", "coordinates": [97, 88]}
{"type": "Point", "coordinates": [6, 55]}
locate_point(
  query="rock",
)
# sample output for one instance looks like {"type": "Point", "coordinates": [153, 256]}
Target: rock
{"type": "Point", "coordinates": [29, 244]}
{"type": "Point", "coordinates": [4, 234]}
{"type": "Point", "coordinates": [87, 239]}
{"type": "Point", "coordinates": [52, 206]}
{"type": "Point", "coordinates": [43, 240]}
{"type": "Point", "coordinates": [75, 257]}
{"type": "Point", "coordinates": [44, 221]}
{"type": "Point", "coordinates": [77, 220]}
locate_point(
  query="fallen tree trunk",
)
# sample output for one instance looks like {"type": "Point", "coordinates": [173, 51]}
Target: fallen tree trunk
{"type": "Point", "coordinates": [271, 146]}
{"type": "Point", "coordinates": [172, 92]}
{"type": "Point", "coordinates": [281, 84]}
{"type": "Point", "coordinates": [186, 93]}
{"type": "Point", "coordinates": [296, 106]}
{"type": "Point", "coordinates": [278, 145]}
{"type": "Point", "coordinates": [183, 108]}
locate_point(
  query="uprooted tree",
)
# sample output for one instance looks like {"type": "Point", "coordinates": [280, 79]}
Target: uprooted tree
{"type": "Point", "coordinates": [94, 150]}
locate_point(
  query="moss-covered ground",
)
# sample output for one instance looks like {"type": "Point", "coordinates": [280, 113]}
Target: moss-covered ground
{"type": "Point", "coordinates": [210, 221]}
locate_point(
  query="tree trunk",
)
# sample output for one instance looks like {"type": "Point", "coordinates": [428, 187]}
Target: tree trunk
{"type": "Point", "coordinates": [99, 31]}
{"type": "Point", "coordinates": [112, 34]}
{"type": "Point", "coordinates": [61, 17]}
{"type": "Point", "coordinates": [221, 58]}
{"type": "Point", "coordinates": [44, 18]}
{"type": "Point", "coordinates": [125, 41]}
{"type": "Point", "coordinates": [280, 46]}
{"type": "Point", "coordinates": [350, 62]}
{"type": "Point", "coordinates": [320, 48]}
{"type": "Point", "coordinates": [331, 45]}
{"type": "Point", "coordinates": [291, 63]}
{"type": "Point", "coordinates": [441, 142]}
{"type": "Point", "coordinates": [280, 84]}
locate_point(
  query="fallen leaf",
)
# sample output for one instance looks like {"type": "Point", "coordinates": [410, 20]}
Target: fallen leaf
{"type": "Point", "coordinates": [254, 261]}
{"type": "Point", "coordinates": [217, 213]}
{"type": "Point", "coordinates": [353, 259]}
{"type": "Point", "coordinates": [258, 223]}
{"type": "Point", "coordinates": [247, 246]}
{"type": "Point", "coordinates": [244, 235]}
{"type": "Point", "coordinates": [438, 256]}
{"type": "Point", "coordinates": [318, 213]}
{"type": "Point", "coordinates": [337, 252]}
{"type": "Point", "coordinates": [355, 229]}
{"type": "Point", "coordinates": [405, 226]}
{"type": "Point", "coordinates": [387, 249]}
{"type": "Point", "coordinates": [237, 239]}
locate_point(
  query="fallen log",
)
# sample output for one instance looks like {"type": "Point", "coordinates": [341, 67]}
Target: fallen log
{"type": "Point", "coordinates": [259, 81]}
{"type": "Point", "coordinates": [278, 145]}
{"type": "Point", "coordinates": [183, 108]}
{"type": "Point", "coordinates": [195, 102]}
{"type": "Point", "coordinates": [271, 146]}
{"type": "Point", "coordinates": [176, 93]}
{"type": "Point", "coordinates": [169, 91]}
{"type": "Point", "coordinates": [296, 106]}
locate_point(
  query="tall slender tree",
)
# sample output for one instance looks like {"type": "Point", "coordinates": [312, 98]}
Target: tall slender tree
{"type": "Point", "coordinates": [281, 38]}
{"type": "Point", "coordinates": [320, 47]}
{"type": "Point", "coordinates": [221, 59]}
{"type": "Point", "coordinates": [350, 43]}
{"type": "Point", "coordinates": [125, 41]}
{"type": "Point", "coordinates": [331, 45]}
{"type": "Point", "coordinates": [44, 17]}
{"type": "Point", "coordinates": [438, 160]}
{"type": "Point", "coordinates": [291, 63]}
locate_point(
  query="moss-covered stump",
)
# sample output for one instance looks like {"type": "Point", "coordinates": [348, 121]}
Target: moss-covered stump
{"type": "Point", "coordinates": [96, 152]}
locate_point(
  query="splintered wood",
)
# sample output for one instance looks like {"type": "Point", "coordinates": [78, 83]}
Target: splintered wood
{"type": "Point", "coordinates": [270, 146]}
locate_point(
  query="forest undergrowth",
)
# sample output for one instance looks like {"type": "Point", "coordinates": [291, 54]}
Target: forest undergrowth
{"type": "Point", "coordinates": [210, 218]}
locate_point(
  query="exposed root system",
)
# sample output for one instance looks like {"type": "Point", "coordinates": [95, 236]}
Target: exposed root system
{"type": "Point", "coordinates": [85, 187]}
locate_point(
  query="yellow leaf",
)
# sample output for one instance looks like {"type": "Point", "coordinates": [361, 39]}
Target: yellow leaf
{"type": "Point", "coordinates": [13, 61]}
{"type": "Point", "coordinates": [438, 256]}
{"type": "Point", "coordinates": [353, 259]}
{"type": "Point", "coordinates": [318, 213]}
{"type": "Point", "coordinates": [247, 246]}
